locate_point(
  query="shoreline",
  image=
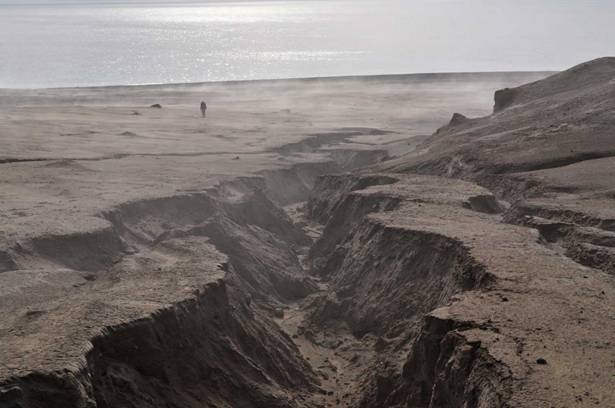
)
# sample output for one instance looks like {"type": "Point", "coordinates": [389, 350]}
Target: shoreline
{"type": "Point", "coordinates": [361, 78]}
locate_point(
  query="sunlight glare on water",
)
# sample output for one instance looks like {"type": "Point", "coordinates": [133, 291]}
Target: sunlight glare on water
{"type": "Point", "coordinates": [88, 43]}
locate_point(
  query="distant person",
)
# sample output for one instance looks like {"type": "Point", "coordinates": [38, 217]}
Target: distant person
{"type": "Point", "coordinates": [203, 108]}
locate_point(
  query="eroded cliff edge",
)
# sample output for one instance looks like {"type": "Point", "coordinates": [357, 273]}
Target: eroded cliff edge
{"type": "Point", "coordinates": [481, 304]}
{"type": "Point", "coordinates": [172, 319]}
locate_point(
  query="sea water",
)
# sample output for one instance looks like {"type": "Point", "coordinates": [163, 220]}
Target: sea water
{"type": "Point", "coordinates": [54, 43]}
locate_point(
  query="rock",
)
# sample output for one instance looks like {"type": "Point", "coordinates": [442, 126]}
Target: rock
{"type": "Point", "coordinates": [278, 312]}
{"type": "Point", "coordinates": [457, 119]}
{"type": "Point", "coordinates": [503, 98]}
{"type": "Point", "coordinates": [484, 203]}
{"type": "Point", "coordinates": [541, 361]}
{"type": "Point", "coordinates": [380, 345]}
{"type": "Point", "coordinates": [156, 106]}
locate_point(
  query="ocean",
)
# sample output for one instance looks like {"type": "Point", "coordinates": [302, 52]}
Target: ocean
{"type": "Point", "coordinates": [83, 43]}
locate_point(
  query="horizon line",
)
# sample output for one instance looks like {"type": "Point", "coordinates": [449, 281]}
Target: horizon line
{"type": "Point", "coordinates": [285, 79]}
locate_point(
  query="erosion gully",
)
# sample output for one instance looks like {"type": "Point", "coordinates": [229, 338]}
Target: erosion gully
{"type": "Point", "coordinates": [268, 331]}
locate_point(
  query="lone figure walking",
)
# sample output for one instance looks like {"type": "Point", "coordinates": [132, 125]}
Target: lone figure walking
{"type": "Point", "coordinates": [203, 108]}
